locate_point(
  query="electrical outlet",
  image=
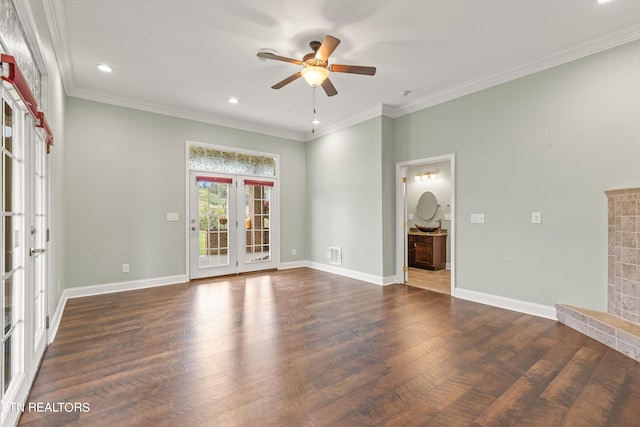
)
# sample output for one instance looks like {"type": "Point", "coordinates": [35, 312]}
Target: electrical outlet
{"type": "Point", "coordinates": [125, 268]}
{"type": "Point", "coordinates": [293, 251]}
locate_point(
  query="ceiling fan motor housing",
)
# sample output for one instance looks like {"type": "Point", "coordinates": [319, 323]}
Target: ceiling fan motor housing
{"type": "Point", "coordinates": [316, 66]}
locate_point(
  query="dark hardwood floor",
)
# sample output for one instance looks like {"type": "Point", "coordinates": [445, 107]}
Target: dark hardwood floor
{"type": "Point", "coordinates": [307, 348]}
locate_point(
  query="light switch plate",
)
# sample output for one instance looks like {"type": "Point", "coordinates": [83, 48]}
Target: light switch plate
{"type": "Point", "coordinates": [477, 218]}
{"type": "Point", "coordinates": [536, 218]}
{"type": "Point", "coordinates": [410, 216]}
{"type": "Point", "coordinates": [173, 216]}
{"type": "Point", "coordinates": [447, 217]}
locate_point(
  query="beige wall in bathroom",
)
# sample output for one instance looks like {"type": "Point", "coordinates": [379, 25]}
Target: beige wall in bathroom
{"type": "Point", "coordinates": [440, 187]}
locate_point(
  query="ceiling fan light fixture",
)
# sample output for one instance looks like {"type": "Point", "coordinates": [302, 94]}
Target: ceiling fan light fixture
{"type": "Point", "coordinates": [315, 75]}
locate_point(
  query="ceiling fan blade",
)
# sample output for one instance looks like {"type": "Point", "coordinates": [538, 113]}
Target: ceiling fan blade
{"type": "Point", "coordinates": [328, 87]}
{"type": "Point", "coordinates": [267, 55]}
{"type": "Point", "coordinates": [287, 80]}
{"type": "Point", "coordinates": [353, 69]}
{"type": "Point", "coordinates": [327, 47]}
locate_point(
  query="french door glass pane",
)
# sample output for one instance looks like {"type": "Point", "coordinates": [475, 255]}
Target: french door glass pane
{"type": "Point", "coordinates": [8, 364]}
{"type": "Point", "coordinates": [7, 171]}
{"type": "Point", "coordinates": [11, 328]}
{"type": "Point", "coordinates": [213, 217]}
{"type": "Point", "coordinates": [8, 305]}
{"type": "Point", "coordinates": [257, 200]}
{"type": "Point", "coordinates": [11, 242]}
{"type": "Point", "coordinates": [7, 129]}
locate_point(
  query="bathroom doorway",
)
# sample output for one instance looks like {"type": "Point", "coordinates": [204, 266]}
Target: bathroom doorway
{"type": "Point", "coordinates": [425, 200]}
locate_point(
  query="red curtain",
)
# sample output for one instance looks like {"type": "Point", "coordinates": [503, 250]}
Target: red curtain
{"type": "Point", "coordinates": [214, 179]}
{"type": "Point", "coordinates": [261, 183]}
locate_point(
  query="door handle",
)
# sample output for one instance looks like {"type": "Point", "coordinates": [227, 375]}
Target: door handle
{"type": "Point", "coordinates": [193, 229]}
{"type": "Point", "coordinates": [34, 251]}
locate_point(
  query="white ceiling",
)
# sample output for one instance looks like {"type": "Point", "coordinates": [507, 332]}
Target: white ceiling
{"type": "Point", "coordinates": [187, 57]}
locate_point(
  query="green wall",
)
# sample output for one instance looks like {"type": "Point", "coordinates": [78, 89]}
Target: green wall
{"type": "Point", "coordinates": [344, 197]}
{"type": "Point", "coordinates": [552, 142]}
{"type": "Point", "coordinates": [125, 169]}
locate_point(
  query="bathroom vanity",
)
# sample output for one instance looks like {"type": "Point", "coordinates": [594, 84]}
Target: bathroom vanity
{"type": "Point", "coordinates": [427, 250]}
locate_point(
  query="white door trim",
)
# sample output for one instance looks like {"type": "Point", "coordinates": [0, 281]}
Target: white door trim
{"type": "Point", "coordinates": [275, 219]}
{"type": "Point", "coordinates": [401, 209]}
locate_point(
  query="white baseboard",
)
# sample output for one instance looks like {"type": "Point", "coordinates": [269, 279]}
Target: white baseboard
{"type": "Point", "coordinates": [526, 307]}
{"type": "Point", "coordinates": [54, 320]}
{"type": "Point", "coordinates": [292, 264]}
{"type": "Point", "coordinates": [85, 291]}
{"type": "Point", "coordinates": [540, 310]}
{"type": "Point", "coordinates": [365, 277]}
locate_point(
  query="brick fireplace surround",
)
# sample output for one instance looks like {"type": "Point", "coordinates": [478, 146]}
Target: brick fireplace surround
{"type": "Point", "coordinates": [619, 327]}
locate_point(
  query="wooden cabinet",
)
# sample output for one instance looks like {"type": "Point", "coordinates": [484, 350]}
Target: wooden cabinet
{"type": "Point", "coordinates": [428, 251]}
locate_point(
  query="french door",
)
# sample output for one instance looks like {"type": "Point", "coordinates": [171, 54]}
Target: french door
{"type": "Point", "coordinates": [232, 226]}
{"type": "Point", "coordinates": [38, 218]}
{"type": "Point", "coordinates": [24, 237]}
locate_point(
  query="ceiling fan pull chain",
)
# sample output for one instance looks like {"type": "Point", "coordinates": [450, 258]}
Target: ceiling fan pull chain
{"type": "Point", "coordinates": [313, 109]}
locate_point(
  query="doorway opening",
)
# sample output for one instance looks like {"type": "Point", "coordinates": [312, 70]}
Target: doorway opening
{"type": "Point", "coordinates": [425, 201]}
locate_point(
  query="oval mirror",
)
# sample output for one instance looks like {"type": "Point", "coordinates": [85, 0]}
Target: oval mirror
{"type": "Point", "coordinates": [427, 206]}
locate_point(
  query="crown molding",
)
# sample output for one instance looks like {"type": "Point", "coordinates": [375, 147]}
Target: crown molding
{"type": "Point", "coordinates": [583, 50]}
{"type": "Point", "coordinates": [57, 21]}
{"type": "Point", "coordinates": [580, 51]}
{"type": "Point", "coordinates": [183, 114]}
{"type": "Point", "coordinates": [349, 121]}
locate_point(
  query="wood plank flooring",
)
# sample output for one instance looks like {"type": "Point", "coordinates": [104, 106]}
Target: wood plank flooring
{"type": "Point", "coordinates": [307, 348]}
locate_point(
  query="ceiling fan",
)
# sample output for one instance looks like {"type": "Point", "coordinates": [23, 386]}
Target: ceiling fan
{"type": "Point", "coordinates": [315, 66]}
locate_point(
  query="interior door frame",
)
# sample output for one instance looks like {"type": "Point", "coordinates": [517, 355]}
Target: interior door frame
{"type": "Point", "coordinates": [275, 220]}
{"type": "Point", "coordinates": [402, 220]}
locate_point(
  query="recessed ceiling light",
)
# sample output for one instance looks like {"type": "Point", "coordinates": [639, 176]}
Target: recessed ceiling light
{"type": "Point", "coordinates": [105, 68]}
{"type": "Point", "coordinates": [315, 121]}
{"type": "Point", "coordinates": [603, 1]}
{"type": "Point", "coordinates": [233, 100]}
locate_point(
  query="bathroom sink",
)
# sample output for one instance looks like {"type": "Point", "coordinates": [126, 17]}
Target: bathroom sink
{"type": "Point", "coordinates": [426, 229]}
